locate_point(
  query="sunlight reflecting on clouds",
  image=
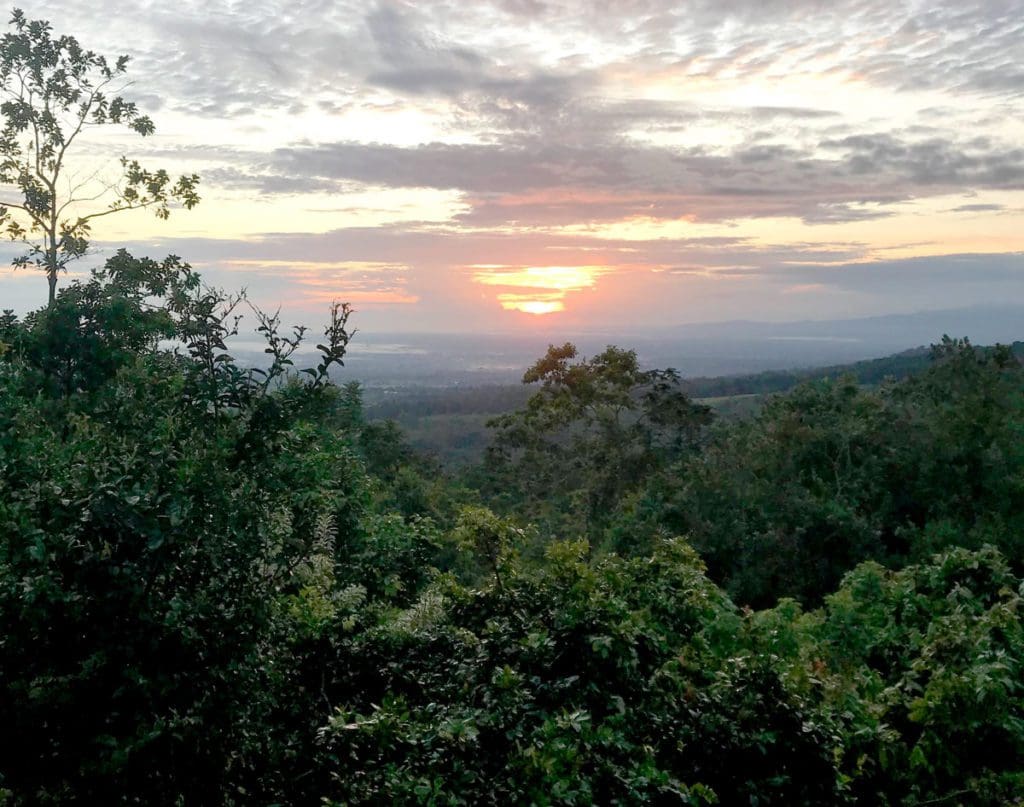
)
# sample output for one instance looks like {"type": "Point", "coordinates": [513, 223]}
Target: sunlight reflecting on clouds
{"type": "Point", "coordinates": [362, 282]}
{"type": "Point", "coordinates": [537, 289]}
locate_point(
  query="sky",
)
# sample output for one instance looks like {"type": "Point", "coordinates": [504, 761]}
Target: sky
{"type": "Point", "coordinates": [519, 164]}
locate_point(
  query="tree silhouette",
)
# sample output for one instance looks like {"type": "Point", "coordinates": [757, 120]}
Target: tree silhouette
{"type": "Point", "coordinates": [54, 91]}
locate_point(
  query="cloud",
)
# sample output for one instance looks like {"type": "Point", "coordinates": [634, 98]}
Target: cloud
{"type": "Point", "coordinates": [843, 213]}
{"type": "Point", "coordinates": [978, 208]}
{"type": "Point", "coordinates": [936, 161]}
{"type": "Point", "coordinates": [540, 114]}
{"type": "Point", "coordinates": [222, 57]}
{"type": "Point", "coordinates": [531, 181]}
{"type": "Point", "coordinates": [410, 62]}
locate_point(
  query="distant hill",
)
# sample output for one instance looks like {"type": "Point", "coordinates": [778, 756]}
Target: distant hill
{"type": "Point", "coordinates": [451, 422]}
{"type": "Point", "coordinates": [492, 399]}
{"type": "Point", "coordinates": [869, 371]}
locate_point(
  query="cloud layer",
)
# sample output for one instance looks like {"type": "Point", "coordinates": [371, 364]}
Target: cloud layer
{"type": "Point", "coordinates": [730, 150]}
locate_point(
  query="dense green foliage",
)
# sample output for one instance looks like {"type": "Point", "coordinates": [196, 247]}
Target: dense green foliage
{"type": "Point", "coordinates": [223, 584]}
{"type": "Point", "coordinates": [787, 500]}
{"type": "Point", "coordinates": [158, 510]}
{"type": "Point", "coordinates": [782, 504]}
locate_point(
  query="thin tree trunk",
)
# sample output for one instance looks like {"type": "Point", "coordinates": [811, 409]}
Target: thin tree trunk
{"type": "Point", "coordinates": [51, 263]}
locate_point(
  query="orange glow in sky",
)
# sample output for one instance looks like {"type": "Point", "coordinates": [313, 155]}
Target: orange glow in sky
{"type": "Point", "coordinates": [537, 289]}
{"type": "Point", "coordinates": [463, 165]}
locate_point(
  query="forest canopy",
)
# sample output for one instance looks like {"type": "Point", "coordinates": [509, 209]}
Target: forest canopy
{"type": "Point", "coordinates": [222, 583]}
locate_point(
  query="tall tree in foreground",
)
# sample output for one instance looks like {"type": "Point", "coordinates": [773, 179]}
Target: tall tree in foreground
{"type": "Point", "coordinates": [53, 92]}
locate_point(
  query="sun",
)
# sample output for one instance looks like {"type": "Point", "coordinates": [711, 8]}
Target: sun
{"type": "Point", "coordinates": [536, 307]}
{"type": "Point", "coordinates": [537, 290]}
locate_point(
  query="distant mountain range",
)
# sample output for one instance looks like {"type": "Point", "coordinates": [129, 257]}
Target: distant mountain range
{"type": "Point", "coordinates": [704, 350]}
{"type": "Point", "coordinates": [868, 371]}
{"type": "Point", "coordinates": [983, 325]}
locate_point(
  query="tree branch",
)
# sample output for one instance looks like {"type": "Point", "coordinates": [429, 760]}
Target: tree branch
{"type": "Point", "coordinates": [35, 218]}
{"type": "Point", "coordinates": [86, 107]}
{"type": "Point", "coordinates": [132, 206]}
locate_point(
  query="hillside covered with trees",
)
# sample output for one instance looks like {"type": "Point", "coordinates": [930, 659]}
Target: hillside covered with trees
{"type": "Point", "coordinates": [451, 422]}
{"type": "Point", "coordinates": [225, 584]}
